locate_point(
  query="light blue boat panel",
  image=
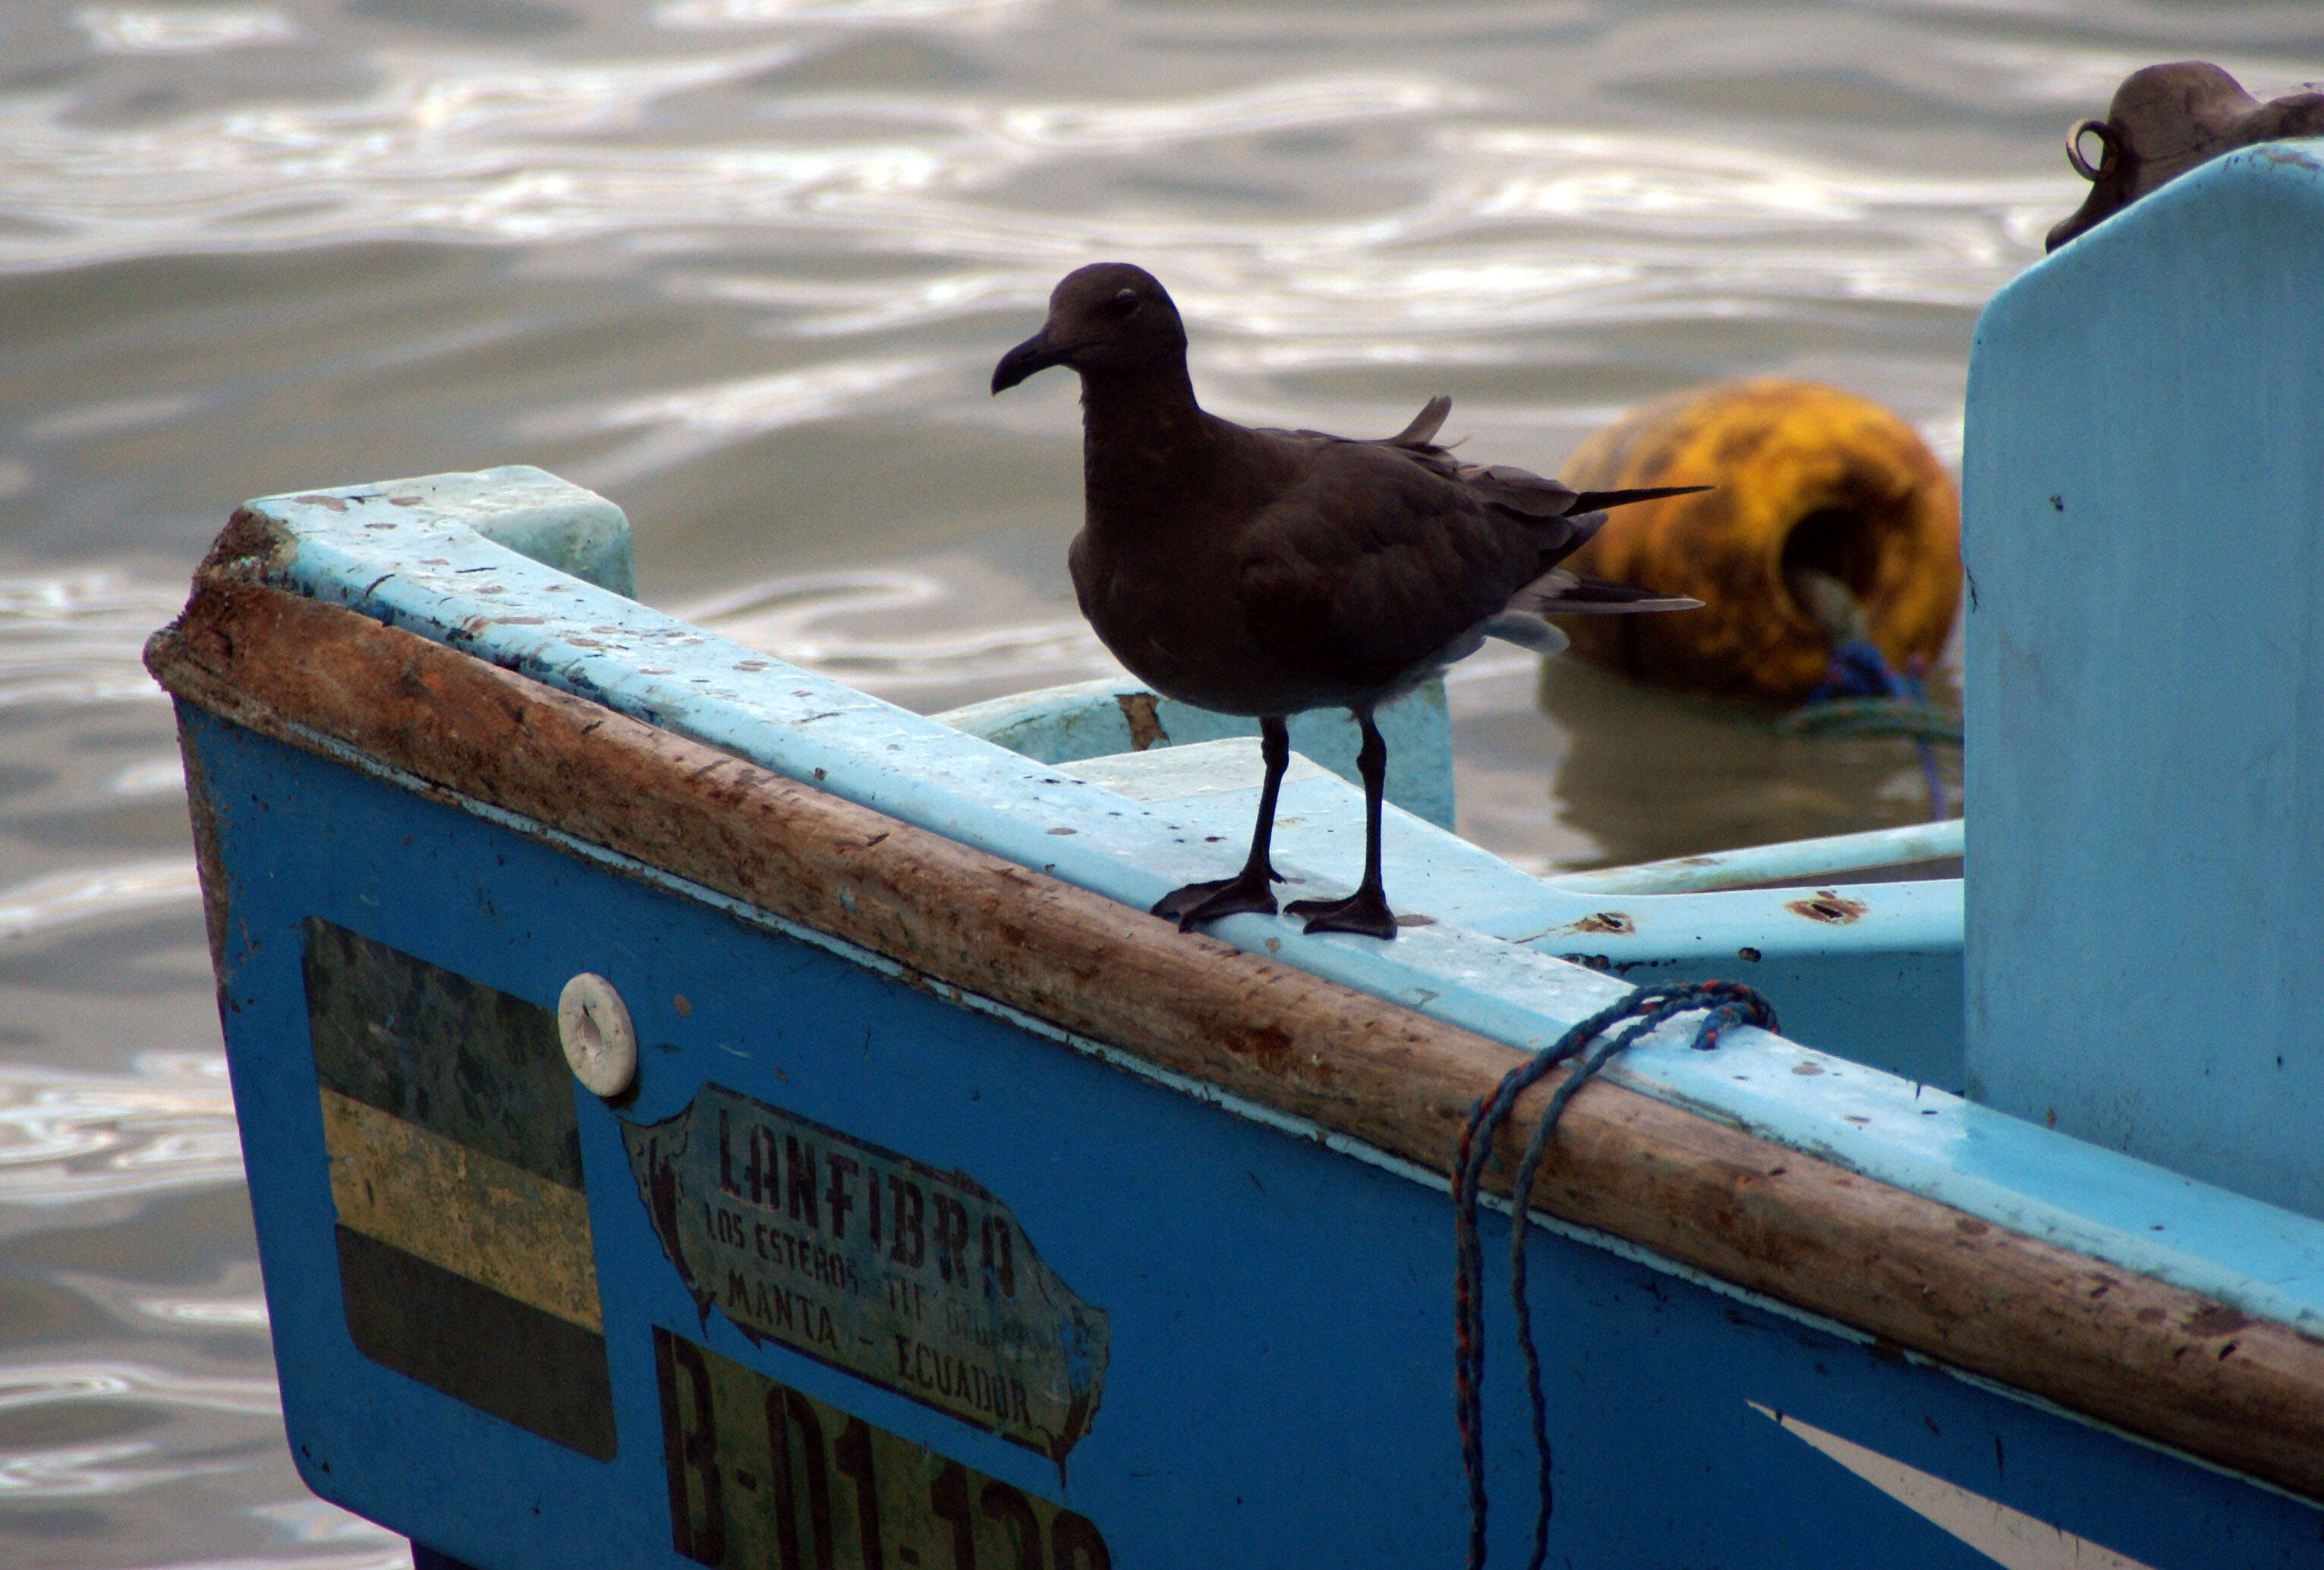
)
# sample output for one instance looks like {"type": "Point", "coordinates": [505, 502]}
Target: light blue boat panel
{"type": "Point", "coordinates": [422, 569]}
{"type": "Point", "coordinates": [1275, 1387]}
{"type": "Point", "coordinates": [2143, 502]}
{"type": "Point", "coordinates": [1871, 972]}
{"type": "Point", "coordinates": [1091, 719]}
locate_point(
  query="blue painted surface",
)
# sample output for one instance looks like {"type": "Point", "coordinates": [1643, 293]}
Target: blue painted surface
{"type": "Point", "coordinates": [1798, 861]}
{"type": "Point", "coordinates": [1881, 986]}
{"type": "Point", "coordinates": [532, 513]}
{"type": "Point", "coordinates": [1278, 1392]}
{"type": "Point", "coordinates": [2142, 485]}
{"type": "Point", "coordinates": [423, 569]}
{"type": "Point", "coordinates": [1064, 725]}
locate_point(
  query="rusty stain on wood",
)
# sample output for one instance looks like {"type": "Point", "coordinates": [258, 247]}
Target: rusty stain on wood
{"type": "Point", "coordinates": [1891, 1264]}
{"type": "Point", "coordinates": [208, 862]}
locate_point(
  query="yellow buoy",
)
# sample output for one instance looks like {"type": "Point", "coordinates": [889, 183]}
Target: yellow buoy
{"type": "Point", "coordinates": [1812, 484]}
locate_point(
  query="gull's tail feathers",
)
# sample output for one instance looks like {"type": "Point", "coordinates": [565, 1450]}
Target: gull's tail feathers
{"type": "Point", "coordinates": [1598, 501]}
{"type": "Point", "coordinates": [1421, 431]}
{"type": "Point", "coordinates": [1559, 592]}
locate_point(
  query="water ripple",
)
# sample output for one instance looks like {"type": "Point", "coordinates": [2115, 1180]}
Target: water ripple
{"type": "Point", "coordinates": [684, 422]}
{"type": "Point", "coordinates": [392, 1552]}
{"type": "Point", "coordinates": [82, 894]}
{"type": "Point", "coordinates": [117, 31]}
{"type": "Point", "coordinates": [1279, 106]}
{"type": "Point", "coordinates": [72, 1471]}
{"type": "Point", "coordinates": [802, 618]}
{"type": "Point", "coordinates": [79, 638]}
{"type": "Point", "coordinates": [38, 1384]}
{"type": "Point", "coordinates": [503, 151]}
{"type": "Point", "coordinates": [717, 16]}
{"type": "Point", "coordinates": [139, 1305]}
{"type": "Point", "coordinates": [74, 1139]}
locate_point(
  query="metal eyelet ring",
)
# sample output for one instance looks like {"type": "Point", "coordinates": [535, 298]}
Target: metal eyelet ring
{"type": "Point", "coordinates": [2109, 140]}
{"type": "Point", "coordinates": [593, 1026]}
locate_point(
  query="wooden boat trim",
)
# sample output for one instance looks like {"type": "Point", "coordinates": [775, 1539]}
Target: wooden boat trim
{"type": "Point", "coordinates": [2113, 1344]}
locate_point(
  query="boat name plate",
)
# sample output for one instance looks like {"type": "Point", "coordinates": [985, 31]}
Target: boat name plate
{"type": "Point", "coordinates": [875, 1264]}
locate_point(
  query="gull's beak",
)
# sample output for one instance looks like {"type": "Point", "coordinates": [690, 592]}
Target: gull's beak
{"type": "Point", "coordinates": [1035, 353]}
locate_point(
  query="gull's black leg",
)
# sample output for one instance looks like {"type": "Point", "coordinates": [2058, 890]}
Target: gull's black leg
{"type": "Point", "coordinates": [1365, 910]}
{"type": "Point", "coordinates": [1247, 889]}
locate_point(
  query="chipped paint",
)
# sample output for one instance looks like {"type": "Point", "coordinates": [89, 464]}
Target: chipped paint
{"type": "Point", "coordinates": [1604, 921]}
{"type": "Point", "coordinates": [1827, 906]}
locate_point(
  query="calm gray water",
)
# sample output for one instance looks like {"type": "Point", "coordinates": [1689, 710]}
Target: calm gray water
{"type": "Point", "coordinates": [744, 266]}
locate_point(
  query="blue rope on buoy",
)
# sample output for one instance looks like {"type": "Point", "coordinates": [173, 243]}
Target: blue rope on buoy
{"type": "Point", "coordinates": [1859, 676]}
{"type": "Point", "coordinates": [1724, 1004]}
{"type": "Point", "coordinates": [1858, 669]}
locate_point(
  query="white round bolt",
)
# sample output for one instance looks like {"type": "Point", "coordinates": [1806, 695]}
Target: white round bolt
{"type": "Point", "coordinates": [593, 1025]}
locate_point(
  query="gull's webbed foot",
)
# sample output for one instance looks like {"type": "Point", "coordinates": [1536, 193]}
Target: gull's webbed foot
{"type": "Point", "coordinates": [1364, 912]}
{"type": "Point", "coordinates": [1200, 902]}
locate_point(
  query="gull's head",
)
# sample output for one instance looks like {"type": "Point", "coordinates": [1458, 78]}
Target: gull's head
{"type": "Point", "coordinates": [1106, 319]}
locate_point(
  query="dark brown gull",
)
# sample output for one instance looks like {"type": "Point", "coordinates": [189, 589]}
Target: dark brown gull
{"type": "Point", "coordinates": [1269, 572]}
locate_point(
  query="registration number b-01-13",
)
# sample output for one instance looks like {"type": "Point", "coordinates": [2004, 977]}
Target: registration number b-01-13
{"type": "Point", "coordinates": [761, 1475]}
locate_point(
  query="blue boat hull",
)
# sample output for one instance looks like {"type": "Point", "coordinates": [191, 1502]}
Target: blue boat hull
{"type": "Point", "coordinates": [1275, 1385]}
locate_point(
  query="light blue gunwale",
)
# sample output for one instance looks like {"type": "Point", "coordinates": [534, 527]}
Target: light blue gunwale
{"type": "Point", "coordinates": [1799, 861]}
{"type": "Point", "coordinates": [405, 553]}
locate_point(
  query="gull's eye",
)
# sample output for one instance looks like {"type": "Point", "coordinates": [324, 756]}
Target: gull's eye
{"type": "Point", "coordinates": [1123, 302]}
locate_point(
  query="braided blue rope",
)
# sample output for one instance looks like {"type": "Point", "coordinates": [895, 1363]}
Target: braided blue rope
{"type": "Point", "coordinates": [1724, 1004]}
